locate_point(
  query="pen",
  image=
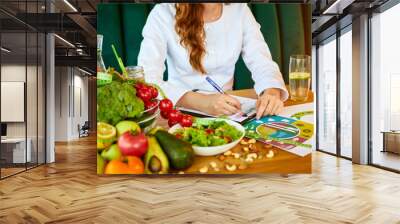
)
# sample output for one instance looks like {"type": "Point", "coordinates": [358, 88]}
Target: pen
{"type": "Point", "coordinates": [215, 85]}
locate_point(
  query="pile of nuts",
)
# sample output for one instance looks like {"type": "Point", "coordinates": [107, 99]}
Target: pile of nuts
{"type": "Point", "coordinates": [247, 155]}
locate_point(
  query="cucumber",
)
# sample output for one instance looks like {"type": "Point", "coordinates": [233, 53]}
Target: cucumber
{"type": "Point", "coordinates": [179, 152]}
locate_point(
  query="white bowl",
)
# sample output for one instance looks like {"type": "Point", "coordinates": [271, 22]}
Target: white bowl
{"type": "Point", "coordinates": [214, 150]}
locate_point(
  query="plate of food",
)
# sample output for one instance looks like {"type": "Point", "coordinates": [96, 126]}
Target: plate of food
{"type": "Point", "coordinates": [210, 136]}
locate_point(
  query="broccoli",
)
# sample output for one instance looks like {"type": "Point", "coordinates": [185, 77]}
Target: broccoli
{"type": "Point", "coordinates": [117, 101]}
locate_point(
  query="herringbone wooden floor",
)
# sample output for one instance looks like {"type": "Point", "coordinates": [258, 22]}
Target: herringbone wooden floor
{"type": "Point", "coordinates": [70, 192]}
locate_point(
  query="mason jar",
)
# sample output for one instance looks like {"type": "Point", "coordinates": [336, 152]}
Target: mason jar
{"type": "Point", "coordinates": [135, 72]}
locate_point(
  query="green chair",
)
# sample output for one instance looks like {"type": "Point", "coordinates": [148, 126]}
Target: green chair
{"type": "Point", "coordinates": [286, 29]}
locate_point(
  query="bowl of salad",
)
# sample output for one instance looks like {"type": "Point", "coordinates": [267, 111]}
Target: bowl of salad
{"type": "Point", "coordinates": [210, 136]}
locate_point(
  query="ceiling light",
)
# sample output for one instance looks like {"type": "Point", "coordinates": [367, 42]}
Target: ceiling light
{"type": "Point", "coordinates": [337, 7]}
{"type": "Point", "coordinates": [5, 50]}
{"type": "Point", "coordinates": [65, 41]}
{"type": "Point", "coordinates": [70, 5]}
{"type": "Point", "coordinates": [84, 71]}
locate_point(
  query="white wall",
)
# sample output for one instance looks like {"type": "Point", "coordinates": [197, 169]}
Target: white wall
{"type": "Point", "coordinates": [16, 73]}
{"type": "Point", "coordinates": [33, 127]}
{"type": "Point", "coordinates": [71, 94]}
{"type": "Point", "coordinates": [61, 103]}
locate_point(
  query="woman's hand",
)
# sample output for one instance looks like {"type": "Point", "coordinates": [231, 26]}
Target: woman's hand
{"type": "Point", "coordinates": [269, 103]}
{"type": "Point", "coordinates": [214, 104]}
{"type": "Point", "coordinates": [222, 104]}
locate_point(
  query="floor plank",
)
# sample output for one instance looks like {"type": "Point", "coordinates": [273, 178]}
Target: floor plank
{"type": "Point", "coordinates": [69, 191]}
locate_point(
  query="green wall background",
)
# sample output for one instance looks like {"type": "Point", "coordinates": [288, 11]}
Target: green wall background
{"type": "Point", "coordinates": [286, 28]}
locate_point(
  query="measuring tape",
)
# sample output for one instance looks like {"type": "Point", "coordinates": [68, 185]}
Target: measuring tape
{"type": "Point", "coordinates": [299, 115]}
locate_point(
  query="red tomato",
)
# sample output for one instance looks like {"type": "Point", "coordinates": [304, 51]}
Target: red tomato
{"type": "Point", "coordinates": [151, 104]}
{"type": "Point", "coordinates": [133, 145]}
{"type": "Point", "coordinates": [174, 117]}
{"type": "Point", "coordinates": [209, 131]}
{"type": "Point", "coordinates": [154, 92]}
{"type": "Point", "coordinates": [172, 122]}
{"type": "Point", "coordinates": [166, 105]}
{"type": "Point", "coordinates": [165, 114]}
{"type": "Point", "coordinates": [186, 121]}
{"type": "Point", "coordinates": [144, 93]}
{"type": "Point", "coordinates": [139, 85]}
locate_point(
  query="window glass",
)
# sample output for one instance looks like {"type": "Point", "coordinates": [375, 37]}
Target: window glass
{"type": "Point", "coordinates": [327, 96]}
{"type": "Point", "coordinates": [15, 150]}
{"type": "Point", "coordinates": [346, 94]}
{"type": "Point", "coordinates": [385, 84]}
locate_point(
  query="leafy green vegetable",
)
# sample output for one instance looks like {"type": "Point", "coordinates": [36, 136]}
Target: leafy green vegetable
{"type": "Point", "coordinates": [209, 133]}
{"type": "Point", "coordinates": [117, 101]}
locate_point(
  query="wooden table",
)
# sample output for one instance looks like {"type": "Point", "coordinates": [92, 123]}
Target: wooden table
{"type": "Point", "coordinates": [282, 162]}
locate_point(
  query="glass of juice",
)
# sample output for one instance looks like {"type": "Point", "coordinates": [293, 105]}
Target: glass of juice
{"type": "Point", "coordinates": [299, 77]}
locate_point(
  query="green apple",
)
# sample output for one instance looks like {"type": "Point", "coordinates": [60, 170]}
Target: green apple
{"type": "Point", "coordinates": [112, 153]}
{"type": "Point", "coordinates": [100, 164]}
{"type": "Point", "coordinates": [124, 126]}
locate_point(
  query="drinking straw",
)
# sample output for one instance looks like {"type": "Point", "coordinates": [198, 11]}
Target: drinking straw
{"type": "Point", "coordinates": [120, 63]}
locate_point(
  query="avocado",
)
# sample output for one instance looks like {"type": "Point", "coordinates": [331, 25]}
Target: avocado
{"type": "Point", "coordinates": [179, 152]}
{"type": "Point", "coordinates": [155, 159]}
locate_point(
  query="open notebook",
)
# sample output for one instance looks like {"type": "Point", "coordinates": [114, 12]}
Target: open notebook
{"type": "Point", "coordinates": [248, 109]}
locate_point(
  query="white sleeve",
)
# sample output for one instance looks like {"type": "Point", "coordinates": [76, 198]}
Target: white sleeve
{"type": "Point", "coordinates": [257, 57]}
{"type": "Point", "coordinates": [153, 52]}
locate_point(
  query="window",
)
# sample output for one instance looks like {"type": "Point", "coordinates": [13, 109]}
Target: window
{"type": "Point", "coordinates": [327, 96]}
{"type": "Point", "coordinates": [22, 75]}
{"type": "Point", "coordinates": [346, 93]}
{"type": "Point", "coordinates": [385, 87]}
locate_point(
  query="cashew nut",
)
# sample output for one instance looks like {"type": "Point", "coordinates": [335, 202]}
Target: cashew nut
{"type": "Point", "coordinates": [230, 167]}
{"type": "Point", "coordinates": [252, 141]}
{"type": "Point", "coordinates": [270, 154]}
{"type": "Point", "coordinates": [253, 147]}
{"type": "Point", "coordinates": [252, 155]}
{"type": "Point", "coordinates": [227, 153]}
{"type": "Point", "coordinates": [213, 164]}
{"type": "Point", "coordinates": [243, 142]}
{"type": "Point", "coordinates": [236, 155]}
{"type": "Point", "coordinates": [204, 169]}
{"type": "Point", "coordinates": [249, 160]}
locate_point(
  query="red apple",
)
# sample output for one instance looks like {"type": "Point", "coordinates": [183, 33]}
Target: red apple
{"type": "Point", "coordinates": [133, 145]}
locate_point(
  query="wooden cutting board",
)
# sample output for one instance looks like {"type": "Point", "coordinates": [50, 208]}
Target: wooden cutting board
{"type": "Point", "coordinates": [281, 162]}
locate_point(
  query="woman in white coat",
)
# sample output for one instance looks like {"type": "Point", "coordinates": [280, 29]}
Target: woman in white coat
{"type": "Point", "coordinates": [206, 39]}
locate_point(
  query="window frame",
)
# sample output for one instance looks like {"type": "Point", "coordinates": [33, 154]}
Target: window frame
{"type": "Point", "coordinates": [31, 30]}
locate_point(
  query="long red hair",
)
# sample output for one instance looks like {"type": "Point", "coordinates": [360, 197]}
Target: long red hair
{"type": "Point", "coordinates": [190, 28]}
